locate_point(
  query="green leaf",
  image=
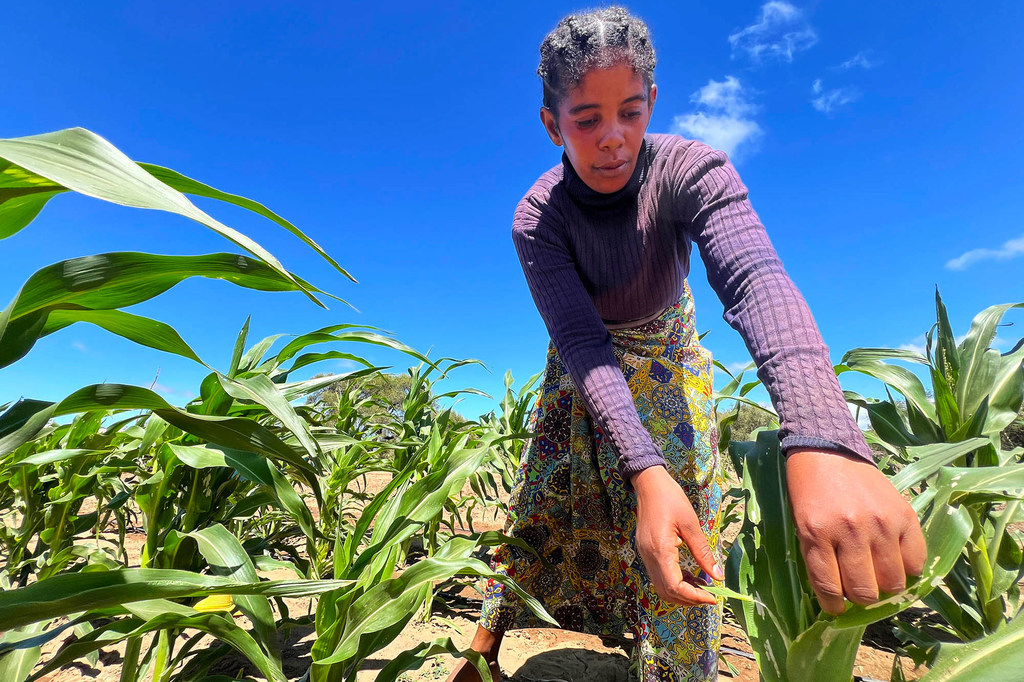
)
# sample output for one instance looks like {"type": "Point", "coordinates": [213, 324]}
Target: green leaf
{"type": "Point", "coordinates": [947, 359]}
{"type": "Point", "coordinates": [86, 163]}
{"type": "Point", "coordinates": [879, 354]}
{"type": "Point", "coordinates": [232, 432]}
{"type": "Point", "coordinates": [824, 654]}
{"type": "Point", "coordinates": [995, 658]}
{"type": "Point", "coordinates": [945, 404]}
{"type": "Point", "coordinates": [155, 615]}
{"type": "Point", "coordinates": [225, 554]}
{"type": "Point", "coordinates": [901, 379]}
{"type": "Point", "coordinates": [263, 391]}
{"type": "Point", "coordinates": [358, 335]}
{"type": "Point", "coordinates": [974, 346]}
{"type": "Point", "coordinates": [74, 592]}
{"type": "Point", "coordinates": [141, 330]}
{"type": "Point", "coordinates": [385, 604]}
{"type": "Point", "coordinates": [187, 185]}
{"type": "Point", "coordinates": [887, 423]}
{"type": "Point", "coordinates": [236, 354]}
{"type": "Point", "coordinates": [256, 468]}
{"type": "Point", "coordinates": [115, 280]}
{"type": "Point", "coordinates": [50, 456]}
{"type": "Point", "coordinates": [16, 665]}
{"type": "Point", "coordinates": [1006, 391]}
{"type": "Point", "coordinates": [17, 212]}
{"type": "Point", "coordinates": [928, 459]}
{"type": "Point", "coordinates": [413, 659]}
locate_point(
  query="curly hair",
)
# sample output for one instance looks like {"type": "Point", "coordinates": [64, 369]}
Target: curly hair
{"type": "Point", "coordinates": [598, 38]}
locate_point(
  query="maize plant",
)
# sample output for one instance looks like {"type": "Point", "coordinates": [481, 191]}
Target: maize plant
{"type": "Point", "coordinates": [966, 489]}
{"type": "Point", "coordinates": [954, 438]}
{"type": "Point", "coordinates": [222, 487]}
{"type": "Point", "coordinates": [792, 638]}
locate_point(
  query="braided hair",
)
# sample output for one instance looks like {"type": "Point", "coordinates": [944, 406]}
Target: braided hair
{"type": "Point", "coordinates": [599, 38]}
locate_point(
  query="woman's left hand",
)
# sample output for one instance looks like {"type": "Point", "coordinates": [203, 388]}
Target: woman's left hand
{"type": "Point", "coordinates": [857, 533]}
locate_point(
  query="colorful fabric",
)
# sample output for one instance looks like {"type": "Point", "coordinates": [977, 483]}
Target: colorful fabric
{"type": "Point", "coordinates": [571, 505]}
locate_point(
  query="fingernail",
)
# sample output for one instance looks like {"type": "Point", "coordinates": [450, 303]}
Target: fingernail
{"type": "Point", "coordinates": [718, 573]}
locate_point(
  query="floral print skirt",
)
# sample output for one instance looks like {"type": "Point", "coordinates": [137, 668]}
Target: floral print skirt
{"type": "Point", "coordinates": [571, 505]}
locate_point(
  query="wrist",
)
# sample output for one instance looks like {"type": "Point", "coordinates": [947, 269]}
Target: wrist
{"type": "Point", "coordinates": [644, 482]}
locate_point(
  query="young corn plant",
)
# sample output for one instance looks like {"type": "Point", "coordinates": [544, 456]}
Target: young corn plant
{"type": "Point", "coordinates": [218, 485]}
{"type": "Point", "coordinates": [792, 638]}
{"type": "Point", "coordinates": [954, 439]}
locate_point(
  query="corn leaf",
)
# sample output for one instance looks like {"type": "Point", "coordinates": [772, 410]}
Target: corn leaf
{"type": "Point", "coordinates": [232, 432]}
{"type": "Point", "coordinates": [187, 185]}
{"type": "Point", "coordinates": [74, 592]}
{"type": "Point", "coordinates": [224, 553]}
{"type": "Point", "coordinates": [995, 658]}
{"type": "Point", "coordinates": [926, 460]}
{"type": "Point", "coordinates": [823, 654]}
{"type": "Point", "coordinates": [970, 388]}
{"type": "Point", "coordinates": [413, 659]}
{"type": "Point", "coordinates": [82, 161]}
{"type": "Point", "coordinates": [116, 280]}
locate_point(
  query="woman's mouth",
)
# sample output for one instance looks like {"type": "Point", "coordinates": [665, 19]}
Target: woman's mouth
{"type": "Point", "coordinates": [612, 168]}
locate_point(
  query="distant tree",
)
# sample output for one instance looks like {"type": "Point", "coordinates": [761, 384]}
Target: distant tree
{"type": "Point", "coordinates": [378, 399]}
{"type": "Point", "coordinates": [749, 419]}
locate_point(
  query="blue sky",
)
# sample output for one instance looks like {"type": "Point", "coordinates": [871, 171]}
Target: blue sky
{"type": "Point", "coordinates": [880, 141]}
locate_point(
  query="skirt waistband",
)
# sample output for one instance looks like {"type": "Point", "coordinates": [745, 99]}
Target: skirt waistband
{"type": "Point", "coordinates": [638, 322]}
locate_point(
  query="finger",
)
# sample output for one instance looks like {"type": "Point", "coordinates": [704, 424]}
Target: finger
{"type": "Point", "coordinates": [823, 572]}
{"type": "Point", "coordinates": [857, 571]}
{"type": "Point", "coordinates": [687, 594]}
{"type": "Point", "coordinates": [888, 562]}
{"type": "Point", "coordinates": [912, 546]}
{"type": "Point", "coordinates": [697, 543]}
{"type": "Point", "coordinates": [664, 572]}
{"type": "Point", "coordinates": [669, 581]}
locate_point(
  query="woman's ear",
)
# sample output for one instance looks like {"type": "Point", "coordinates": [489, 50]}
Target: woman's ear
{"type": "Point", "coordinates": [653, 96]}
{"type": "Point", "coordinates": [547, 117]}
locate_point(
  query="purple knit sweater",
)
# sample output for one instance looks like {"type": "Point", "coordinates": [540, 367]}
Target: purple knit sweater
{"type": "Point", "coordinates": [596, 260]}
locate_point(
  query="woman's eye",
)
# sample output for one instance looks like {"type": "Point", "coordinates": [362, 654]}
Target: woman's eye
{"type": "Point", "coordinates": [588, 123]}
{"type": "Point", "coordinates": [631, 114]}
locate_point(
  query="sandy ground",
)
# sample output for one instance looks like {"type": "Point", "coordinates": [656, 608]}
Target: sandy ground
{"type": "Point", "coordinates": [534, 655]}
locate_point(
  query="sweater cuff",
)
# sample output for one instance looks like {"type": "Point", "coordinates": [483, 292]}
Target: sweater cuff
{"type": "Point", "coordinates": [792, 442]}
{"type": "Point", "coordinates": [637, 464]}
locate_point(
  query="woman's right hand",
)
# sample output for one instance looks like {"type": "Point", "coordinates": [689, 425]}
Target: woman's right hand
{"type": "Point", "coordinates": [664, 520]}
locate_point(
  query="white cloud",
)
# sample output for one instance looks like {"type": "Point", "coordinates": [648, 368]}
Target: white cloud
{"type": "Point", "coordinates": [781, 31]}
{"type": "Point", "coordinates": [862, 417]}
{"type": "Point", "coordinates": [737, 367]}
{"type": "Point", "coordinates": [862, 59]}
{"type": "Point", "coordinates": [828, 101]}
{"type": "Point", "coordinates": [917, 346]}
{"type": "Point", "coordinates": [723, 119]}
{"type": "Point", "coordinates": [1009, 249]}
{"type": "Point", "coordinates": [79, 346]}
{"type": "Point", "coordinates": [171, 391]}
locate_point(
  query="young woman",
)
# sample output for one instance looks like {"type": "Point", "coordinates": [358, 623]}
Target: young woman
{"type": "Point", "coordinates": [620, 490]}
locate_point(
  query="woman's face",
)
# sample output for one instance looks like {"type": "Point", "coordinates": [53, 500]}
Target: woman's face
{"type": "Point", "coordinates": [601, 123]}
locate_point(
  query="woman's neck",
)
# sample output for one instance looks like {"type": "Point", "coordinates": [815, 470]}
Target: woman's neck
{"type": "Point", "coordinates": [583, 194]}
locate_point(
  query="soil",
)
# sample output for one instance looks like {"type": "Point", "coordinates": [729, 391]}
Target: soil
{"type": "Point", "coordinates": [531, 655]}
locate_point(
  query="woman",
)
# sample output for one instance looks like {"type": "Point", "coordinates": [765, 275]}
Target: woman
{"type": "Point", "coordinates": [619, 492]}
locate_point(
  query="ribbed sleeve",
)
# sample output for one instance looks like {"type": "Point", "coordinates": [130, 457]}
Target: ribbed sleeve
{"type": "Point", "coordinates": [763, 305]}
{"type": "Point", "coordinates": [591, 259]}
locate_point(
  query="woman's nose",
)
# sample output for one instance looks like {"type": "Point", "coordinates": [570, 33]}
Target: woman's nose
{"type": "Point", "coordinates": [612, 139]}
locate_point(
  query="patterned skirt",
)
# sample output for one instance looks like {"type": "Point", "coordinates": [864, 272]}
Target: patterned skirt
{"type": "Point", "coordinates": [571, 505]}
